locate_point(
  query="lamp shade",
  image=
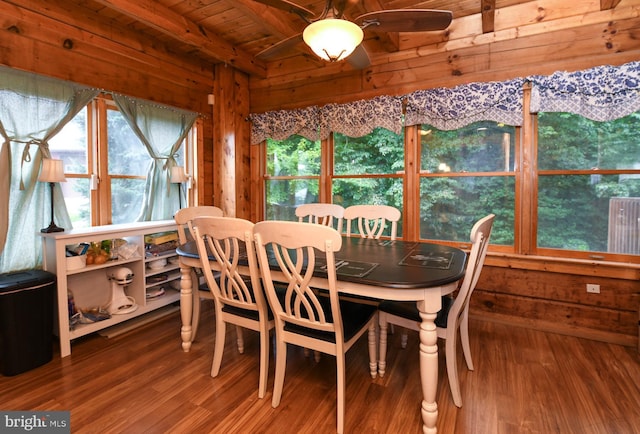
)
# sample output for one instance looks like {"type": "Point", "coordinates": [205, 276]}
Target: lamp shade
{"type": "Point", "coordinates": [178, 175]}
{"type": "Point", "coordinates": [52, 171]}
{"type": "Point", "coordinates": [332, 39]}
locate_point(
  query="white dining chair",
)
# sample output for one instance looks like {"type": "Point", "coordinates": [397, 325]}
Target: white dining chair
{"type": "Point", "coordinates": [321, 323]}
{"type": "Point", "coordinates": [239, 297]}
{"type": "Point", "coordinates": [184, 220]}
{"type": "Point", "coordinates": [327, 214]}
{"type": "Point", "coordinates": [453, 316]}
{"type": "Point", "coordinates": [372, 220]}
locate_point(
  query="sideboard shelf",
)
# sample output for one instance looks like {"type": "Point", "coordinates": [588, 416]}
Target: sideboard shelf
{"type": "Point", "coordinates": [90, 285]}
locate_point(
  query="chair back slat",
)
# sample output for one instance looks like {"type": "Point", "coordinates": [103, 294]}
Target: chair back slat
{"type": "Point", "coordinates": [372, 220]}
{"type": "Point", "coordinates": [295, 248]}
{"type": "Point", "coordinates": [230, 241]}
{"type": "Point", "coordinates": [326, 214]}
{"type": "Point", "coordinates": [184, 219]}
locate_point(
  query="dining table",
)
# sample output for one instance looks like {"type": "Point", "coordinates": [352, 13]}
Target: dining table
{"type": "Point", "coordinates": [376, 269]}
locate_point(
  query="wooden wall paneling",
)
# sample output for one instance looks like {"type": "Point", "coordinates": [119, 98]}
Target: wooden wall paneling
{"type": "Point", "coordinates": [242, 171]}
{"type": "Point", "coordinates": [127, 63]}
{"type": "Point", "coordinates": [205, 161]}
{"type": "Point", "coordinates": [589, 322]}
{"type": "Point", "coordinates": [560, 303]}
{"type": "Point", "coordinates": [231, 153]}
{"type": "Point", "coordinates": [224, 144]}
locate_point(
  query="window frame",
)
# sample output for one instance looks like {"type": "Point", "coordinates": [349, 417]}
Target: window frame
{"type": "Point", "coordinates": [97, 161]}
{"type": "Point", "coordinates": [524, 253]}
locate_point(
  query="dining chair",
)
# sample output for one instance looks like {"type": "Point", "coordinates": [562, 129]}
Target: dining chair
{"type": "Point", "coordinates": [453, 315]}
{"type": "Point", "coordinates": [327, 214]}
{"type": "Point", "coordinates": [224, 245]}
{"type": "Point", "coordinates": [325, 324]}
{"type": "Point", "coordinates": [372, 220]}
{"type": "Point", "coordinates": [184, 221]}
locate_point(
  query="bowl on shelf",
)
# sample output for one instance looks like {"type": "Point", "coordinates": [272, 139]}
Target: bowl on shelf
{"type": "Point", "coordinates": [158, 264]}
{"type": "Point", "coordinates": [76, 262]}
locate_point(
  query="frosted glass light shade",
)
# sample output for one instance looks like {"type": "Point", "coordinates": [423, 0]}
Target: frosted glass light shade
{"type": "Point", "coordinates": [178, 175]}
{"type": "Point", "coordinates": [332, 39]}
{"type": "Point", "coordinates": [52, 171]}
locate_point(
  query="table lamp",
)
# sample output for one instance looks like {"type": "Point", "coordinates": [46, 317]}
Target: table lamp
{"type": "Point", "coordinates": [178, 176]}
{"type": "Point", "coordinates": [52, 171]}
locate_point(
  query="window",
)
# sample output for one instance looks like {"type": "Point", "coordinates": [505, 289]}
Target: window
{"type": "Point", "coordinates": [369, 170]}
{"type": "Point", "coordinates": [561, 185]}
{"type": "Point", "coordinates": [105, 165]}
{"type": "Point", "coordinates": [466, 174]}
{"type": "Point", "coordinates": [588, 184]}
{"type": "Point", "coordinates": [292, 176]}
{"type": "Point", "coordinates": [70, 145]}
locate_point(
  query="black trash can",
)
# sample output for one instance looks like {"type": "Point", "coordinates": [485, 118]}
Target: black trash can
{"type": "Point", "coordinates": [26, 320]}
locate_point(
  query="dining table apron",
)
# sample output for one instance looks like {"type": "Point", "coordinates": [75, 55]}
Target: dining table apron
{"type": "Point", "coordinates": [380, 269]}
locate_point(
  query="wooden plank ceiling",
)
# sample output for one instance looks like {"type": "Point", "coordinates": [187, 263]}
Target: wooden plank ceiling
{"type": "Point", "coordinates": [234, 31]}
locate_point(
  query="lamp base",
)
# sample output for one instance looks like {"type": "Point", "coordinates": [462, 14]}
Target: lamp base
{"type": "Point", "coordinates": [52, 228]}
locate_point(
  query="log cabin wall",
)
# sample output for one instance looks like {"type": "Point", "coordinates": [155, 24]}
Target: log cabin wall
{"type": "Point", "coordinates": [63, 41]}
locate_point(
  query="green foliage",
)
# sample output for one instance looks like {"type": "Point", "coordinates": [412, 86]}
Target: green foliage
{"type": "Point", "coordinates": [470, 172]}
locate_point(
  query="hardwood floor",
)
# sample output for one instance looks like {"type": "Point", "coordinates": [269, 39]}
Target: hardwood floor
{"type": "Point", "coordinates": [524, 382]}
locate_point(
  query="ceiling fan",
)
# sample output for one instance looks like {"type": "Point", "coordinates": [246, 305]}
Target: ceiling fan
{"type": "Point", "coordinates": [332, 37]}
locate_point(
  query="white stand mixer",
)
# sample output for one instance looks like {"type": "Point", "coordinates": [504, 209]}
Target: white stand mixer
{"type": "Point", "coordinates": [120, 302]}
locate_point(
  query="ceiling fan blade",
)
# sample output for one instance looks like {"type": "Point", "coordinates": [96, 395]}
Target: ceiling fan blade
{"type": "Point", "coordinates": [280, 47]}
{"type": "Point", "coordinates": [405, 20]}
{"type": "Point", "coordinates": [359, 59]}
{"type": "Point", "coordinates": [289, 7]}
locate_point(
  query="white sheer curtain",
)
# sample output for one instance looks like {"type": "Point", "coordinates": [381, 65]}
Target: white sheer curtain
{"type": "Point", "coordinates": [162, 130]}
{"type": "Point", "coordinates": [32, 110]}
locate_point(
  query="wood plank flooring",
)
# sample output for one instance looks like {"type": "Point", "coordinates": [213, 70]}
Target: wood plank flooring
{"type": "Point", "coordinates": [524, 382]}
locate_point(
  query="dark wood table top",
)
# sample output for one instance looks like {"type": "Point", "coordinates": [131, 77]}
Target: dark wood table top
{"type": "Point", "coordinates": [385, 263]}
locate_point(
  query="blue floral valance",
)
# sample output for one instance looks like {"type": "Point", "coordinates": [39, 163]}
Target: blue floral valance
{"type": "Point", "coordinates": [354, 119]}
{"type": "Point", "coordinates": [360, 118]}
{"type": "Point", "coordinates": [602, 94]}
{"type": "Point", "coordinates": [280, 124]}
{"type": "Point", "coordinates": [450, 109]}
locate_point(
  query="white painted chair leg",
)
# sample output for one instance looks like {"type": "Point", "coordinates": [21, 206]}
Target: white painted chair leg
{"type": "Point", "coordinates": [382, 359]}
{"type": "Point", "coordinates": [452, 369]}
{"type": "Point", "coordinates": [464, 337]}
{"type": "Point", "coordinates": [341, 382]}
{"type": "Point", "coordinates": [218, 347]}
{"type": "Point", "coordinates": [403, 338]}
{"type": "Point", "coordinates": [240, 339]}
{"type": "Point", "coordinates": [264, 362]}
{"type": "Point", "coordinates": [373, 364]}
{"type": "Point", "coordinates": [281, 364]}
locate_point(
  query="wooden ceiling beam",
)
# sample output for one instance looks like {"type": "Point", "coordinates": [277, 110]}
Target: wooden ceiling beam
{"type": "Point", "coordinates": [281, 24]}
{"type": "Point", "coordinates": [608, 4]}
{"type": "Point", "coordinates": [170, 23]}
{"type": "Point", "coordinates": [488, 10]}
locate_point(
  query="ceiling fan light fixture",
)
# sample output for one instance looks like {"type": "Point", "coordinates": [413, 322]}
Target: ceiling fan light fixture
{"type": "Point", "coordinates": [333, 39]}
